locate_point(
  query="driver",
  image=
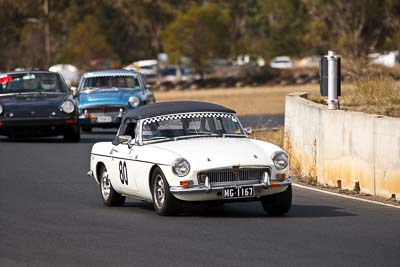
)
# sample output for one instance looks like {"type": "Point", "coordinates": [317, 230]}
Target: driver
{"type": "Point", "coordinates": [48, 84]}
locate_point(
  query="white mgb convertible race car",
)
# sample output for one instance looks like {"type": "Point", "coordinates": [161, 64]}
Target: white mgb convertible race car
{"type": "Point", "coordinates": [174, 152]}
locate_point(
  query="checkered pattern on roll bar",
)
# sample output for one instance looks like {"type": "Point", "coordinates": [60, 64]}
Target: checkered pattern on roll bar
{"type": "Point", "coordinates": [110, 74]}
{"type": "Point", "coordinates": [188, 115]}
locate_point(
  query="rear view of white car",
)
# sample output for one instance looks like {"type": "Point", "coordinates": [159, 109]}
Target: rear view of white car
{"type": "Point", "coordinates": [282, 62]}
{"type": "Point", "coordinates": [174, 152]}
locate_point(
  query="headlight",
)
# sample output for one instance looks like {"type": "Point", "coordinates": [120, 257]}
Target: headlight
{"type": "Point", "coordinates": [180, 167]}
{"type": "Point", "coordinates": [1, 109]}
{"type": "Point", "coordinates": [68, 106]}
{"type": "Point", "coordinates": [280, 160]}
{"type": "Point", "coordinates": [134, 101]}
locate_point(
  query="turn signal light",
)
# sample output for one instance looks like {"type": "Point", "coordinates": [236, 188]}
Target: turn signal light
{"type": "Point", "coordinates": [274, 183]}
{"type": "Point", "coordinates": [71, 121]}
{"type": "Point", "coordinates": [280, 176]}
{"type": "Point", "coordinates": [1, 123]}
{"type": "Point", "coordinates": [90, 116]}
{"type": "Point", "coordinates": [186, 183]}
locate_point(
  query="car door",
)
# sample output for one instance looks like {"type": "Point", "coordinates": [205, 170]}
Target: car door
{"type": "Point", "coordinates": [123, 169]}
{"type": "Point", "coordinates": [123, 163]}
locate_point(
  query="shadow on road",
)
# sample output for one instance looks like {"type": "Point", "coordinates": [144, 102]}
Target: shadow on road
{"type": "Point", "coordinates": [318, 211]}
{"type": "Point", "coordinates": [246, 210]}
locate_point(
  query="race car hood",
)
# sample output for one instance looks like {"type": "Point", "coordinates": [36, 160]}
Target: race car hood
{"type": "Point", "coordinates": [110, 96]}
{"type": "Point", "coordinates": [209, 153]}
{"type": "Point", "coordinates": [32, 105]}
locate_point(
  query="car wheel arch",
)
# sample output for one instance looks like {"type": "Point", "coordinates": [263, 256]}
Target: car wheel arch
{"type": "Point", "coordinates": [153, 168]}
{"type": "Point", "coordinates": [98, 168]}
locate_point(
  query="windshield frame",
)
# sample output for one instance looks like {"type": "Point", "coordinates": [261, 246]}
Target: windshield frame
{"type": "Point", "coordinates": [142, 141]}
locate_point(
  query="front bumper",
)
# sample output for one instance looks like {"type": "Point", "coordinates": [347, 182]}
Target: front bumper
{"type": "Point", "coordinates": [38, 126]}
{"type": "Point", "coordinates": [212, 193]}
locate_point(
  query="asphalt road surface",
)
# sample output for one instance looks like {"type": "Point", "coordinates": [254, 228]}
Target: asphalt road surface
{"type": "Point", "coordinates": [51, 214]}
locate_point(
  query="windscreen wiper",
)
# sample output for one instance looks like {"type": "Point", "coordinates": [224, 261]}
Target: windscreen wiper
{"type": "Point", "coordinates": [233, 135]}
{"type": "Point", "coordinates": [157, 138]}
{"type": "Point", "coordinates": [195, 136]}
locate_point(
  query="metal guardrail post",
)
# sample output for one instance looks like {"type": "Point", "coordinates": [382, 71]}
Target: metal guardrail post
{"type": "Point", "coordinates": [330, 79]}
{"type": "Point", "coordinates": [333, 101]}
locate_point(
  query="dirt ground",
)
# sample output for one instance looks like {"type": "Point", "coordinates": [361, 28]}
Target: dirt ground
{"type": "Point", "coordinates": [246, 100]}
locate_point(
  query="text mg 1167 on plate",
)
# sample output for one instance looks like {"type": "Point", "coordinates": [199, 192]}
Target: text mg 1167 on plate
{"type": "Point", "coordinates": [238, 192]}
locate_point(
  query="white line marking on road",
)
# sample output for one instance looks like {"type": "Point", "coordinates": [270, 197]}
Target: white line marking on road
{"type": "Point", "coordinates": [346, 196]}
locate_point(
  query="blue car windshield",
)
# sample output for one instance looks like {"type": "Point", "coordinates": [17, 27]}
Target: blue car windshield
{"type": "Point", "coordinates": [104, 82]}
{"type": "Point", "coordinates": [32, 82]}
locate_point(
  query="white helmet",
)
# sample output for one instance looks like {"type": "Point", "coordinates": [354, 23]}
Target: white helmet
{"type": "Point", "coordinates": [48, 83]}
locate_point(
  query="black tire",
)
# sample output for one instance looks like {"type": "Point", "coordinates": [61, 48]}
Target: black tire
{"type": "Point", "coordinates": [86, 129]}
{"type": "Point", "coordinates": [278, 204]}
{"type": "Point", "coordinates": [72, 135]}
{"type": "Point", "coordinates": [168, 204]}
{"type": "Point", "coordinates": [113, 198]}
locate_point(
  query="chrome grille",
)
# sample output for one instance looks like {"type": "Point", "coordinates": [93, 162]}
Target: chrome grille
{"type": "Point", "coordinates": [228, 175]}
{"type": "Point", "coordinates": [104, 109]}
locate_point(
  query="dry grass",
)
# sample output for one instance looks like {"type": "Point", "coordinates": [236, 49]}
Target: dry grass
{"type": "Point", "coordinates": [373, 90]}
{"type": "Point", "coordinates": [378, 95]}
{"type": "Point", "coordinates": [273, 136]}
{"type": "Point", "coordinates": [246, 100]}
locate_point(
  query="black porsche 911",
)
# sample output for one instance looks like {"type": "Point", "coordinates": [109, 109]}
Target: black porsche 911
{"type": "Point", "coordinates": [37, 104]}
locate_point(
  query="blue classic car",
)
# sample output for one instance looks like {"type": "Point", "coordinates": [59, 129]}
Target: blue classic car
{"type": "Point", "coordinates": [105, 96]}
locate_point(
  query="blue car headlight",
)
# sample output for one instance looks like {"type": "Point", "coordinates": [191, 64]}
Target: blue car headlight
{"type": "Point", "coordinates": [134, 101]}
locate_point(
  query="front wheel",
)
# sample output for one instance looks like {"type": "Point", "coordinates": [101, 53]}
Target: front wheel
{"type": "Point", "coordinates": [278, 204]}
{"type": "Point", "coordinates": [163, 201]}
{"type": "Point", "coordinates": [111, 198]}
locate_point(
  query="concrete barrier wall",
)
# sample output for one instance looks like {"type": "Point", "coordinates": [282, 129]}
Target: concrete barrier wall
{"type": "Point", "coordinates": [334, 145]}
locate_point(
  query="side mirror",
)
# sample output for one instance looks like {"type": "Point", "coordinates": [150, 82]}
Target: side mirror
{"type": "Point", "coordinates": [122, 139]}
{"type": "Point", "coordinates": [75, 92]}
{"type": "Point", "coordinates": [248, 130]}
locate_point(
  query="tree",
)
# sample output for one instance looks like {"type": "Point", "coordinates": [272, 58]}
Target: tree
{"type": "Point", "coordinates": [31, 47]}
{"type": "Point", "coordinates": [284, 27]}
{"type": "Point", "coordinates": [11, 20]}
{"type": "Point", "coordinates": [354, 27]}
{"type": "Point", "coordinates": [86, 42]}
{"type": "Point", "coordinates": [243, 17]}
{"type": "Point", "coordinates": [201, 33]}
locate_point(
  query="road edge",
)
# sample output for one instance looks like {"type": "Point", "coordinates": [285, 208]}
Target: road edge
{"type": "Point", "coordinates": [345, 196]}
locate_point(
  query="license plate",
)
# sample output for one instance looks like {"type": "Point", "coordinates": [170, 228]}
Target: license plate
{"type": "Point", "coordinates": [238, 192]}
{"type": "Point", "coordinates": [104, 119]}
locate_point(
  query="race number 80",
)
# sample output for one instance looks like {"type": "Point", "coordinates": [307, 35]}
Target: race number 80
{"type": "Point", "coordinates": [123, 173]}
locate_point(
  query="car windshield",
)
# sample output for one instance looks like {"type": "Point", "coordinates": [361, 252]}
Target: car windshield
{"type": "Point", "coordinates": [191, 125]}
{"type": "Point", "coordinates": [104, 82]}
{"type": "Point", "coordinates": [31, 82]}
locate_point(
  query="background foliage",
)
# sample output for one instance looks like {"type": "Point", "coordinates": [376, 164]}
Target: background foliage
{"type": "Point", "coordinates": [127, 30]}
